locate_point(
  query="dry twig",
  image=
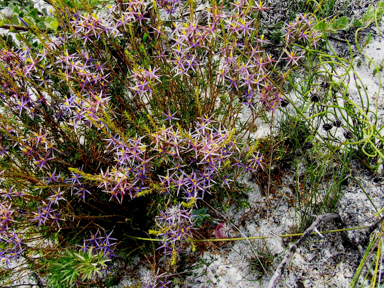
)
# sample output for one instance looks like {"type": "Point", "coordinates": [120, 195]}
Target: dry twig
{"type": "Point", "coordinates": [292, 249]}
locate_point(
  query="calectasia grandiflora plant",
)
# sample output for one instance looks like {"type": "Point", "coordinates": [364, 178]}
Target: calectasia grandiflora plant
{"type": "Point", "coordinates": [127, 101]}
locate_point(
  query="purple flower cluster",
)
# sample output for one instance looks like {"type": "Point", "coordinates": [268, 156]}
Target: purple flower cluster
{"type": "Point", "coordinates": [174, 227]}
{"type": "Point", "coordinates": [13, 242]}
{"type": "Point", "coordinates": [98, 242]}
{"type": "Point", "coordinates": [47, 213]}
{"type": "Point", "coordinates": [301, 30]}
{"type": "Point", "coordinates": [195, 160]}
{"type": "Point", "coordinates": [89, 27]}
{"type": "Point", "coordinates": [144, 80]}
{"type": "Point", "coordinates": [5, 215]}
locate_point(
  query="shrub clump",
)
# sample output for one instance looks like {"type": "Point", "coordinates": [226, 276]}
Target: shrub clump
{"type": "Point", "coordinates": [101, 106]}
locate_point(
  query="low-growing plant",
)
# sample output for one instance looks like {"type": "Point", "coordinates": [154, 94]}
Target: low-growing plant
{"type": "Point", "coordinates": [73, 268]}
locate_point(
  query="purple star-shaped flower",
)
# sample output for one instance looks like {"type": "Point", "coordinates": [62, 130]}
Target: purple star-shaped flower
{"type": "Point", "coordinates": [170, 116]}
